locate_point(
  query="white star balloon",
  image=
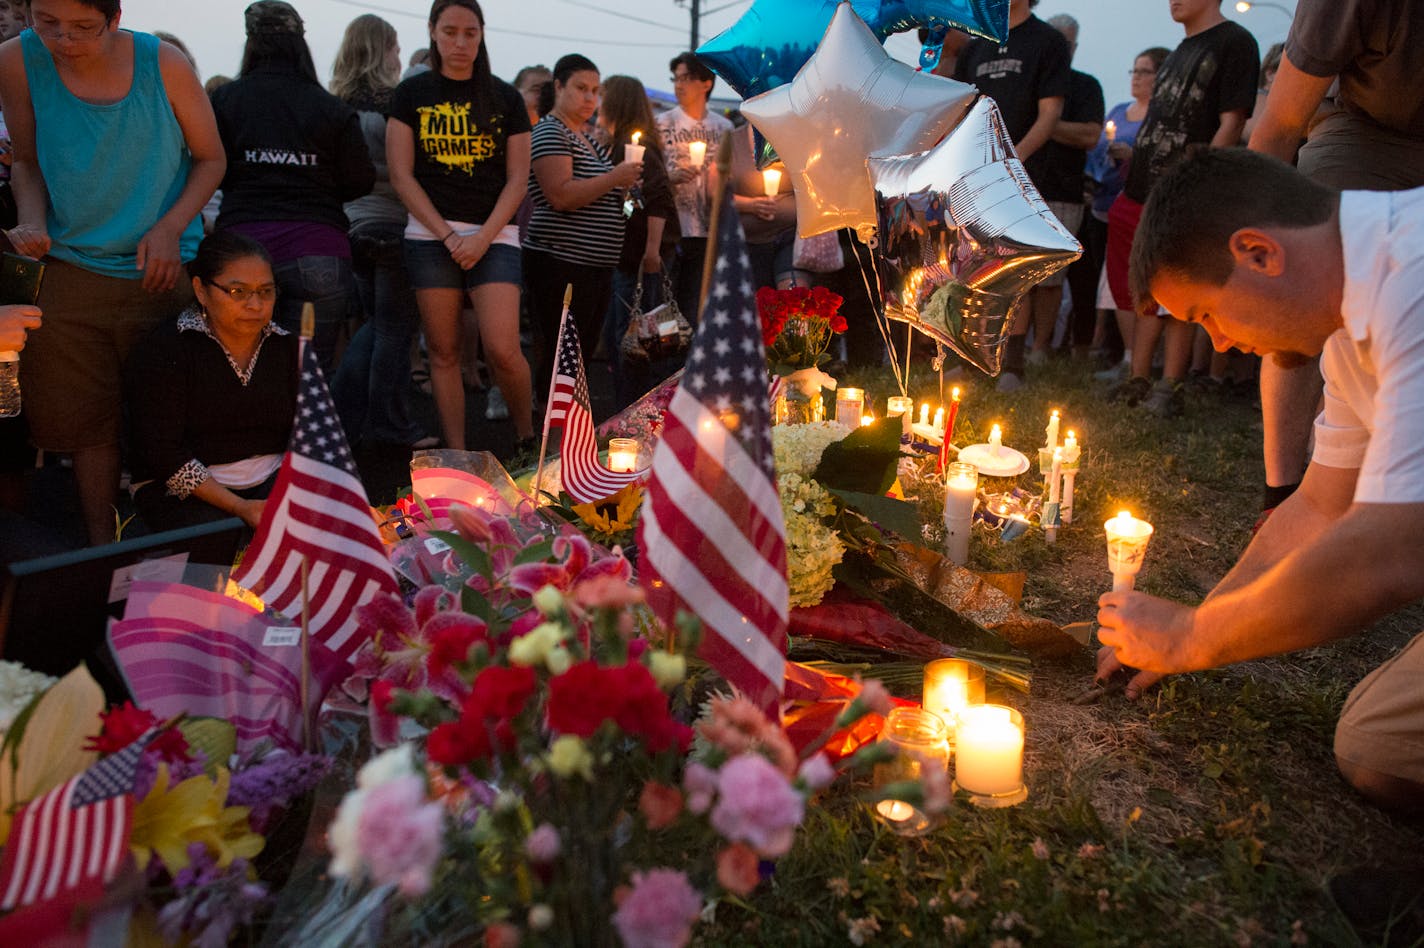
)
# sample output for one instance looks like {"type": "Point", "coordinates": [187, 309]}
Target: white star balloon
{"type": "Point", "coordinates": [851, 101]}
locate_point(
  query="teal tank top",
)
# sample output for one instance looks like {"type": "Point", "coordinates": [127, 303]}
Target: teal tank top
{"type": "Point", "coordinates": [111, 170]}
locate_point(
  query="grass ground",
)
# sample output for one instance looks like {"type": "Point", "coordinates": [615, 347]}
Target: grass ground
{"type": "Point", "coordinates": [1210, 812]}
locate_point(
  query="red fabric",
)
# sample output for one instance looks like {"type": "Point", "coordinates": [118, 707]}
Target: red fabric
{"type": "Point", "coordinates": [814, 699]}
{"type": "Point", "coordinates": [1123, 218]}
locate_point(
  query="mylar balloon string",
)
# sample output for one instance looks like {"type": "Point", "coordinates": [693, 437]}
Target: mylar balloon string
{"type": "Point", "coordinates": [883, 324]}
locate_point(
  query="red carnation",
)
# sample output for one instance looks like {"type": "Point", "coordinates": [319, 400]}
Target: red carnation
{"type": "Point", "coordinates": [581, 699]}
{"type": "Point", "coordinates": [454, 744]}
{"type": "Point", "coordinates": [451, 636]}
{"type": "Point", "coordinates": [125, 723]}
{"type": "Point", "coordinates": [500, 692]}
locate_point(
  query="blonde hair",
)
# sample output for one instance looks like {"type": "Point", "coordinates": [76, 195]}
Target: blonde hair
{"type": "Point", "coordinates": [361, 62]}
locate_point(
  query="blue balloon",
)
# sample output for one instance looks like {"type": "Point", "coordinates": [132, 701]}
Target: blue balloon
{"type": "Point", "coordinates": [770, 43]}
{"type": "Point", "coordinates": [986, 18]}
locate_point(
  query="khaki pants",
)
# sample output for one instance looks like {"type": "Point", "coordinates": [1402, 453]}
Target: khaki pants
{"type": "Point", "coordinates": [1381, 726]}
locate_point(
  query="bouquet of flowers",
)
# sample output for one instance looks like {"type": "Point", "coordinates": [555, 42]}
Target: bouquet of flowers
{"type": "Point", "coordinates": [797, 325]}
{"type": "Point", "coordinates": [554, 799]}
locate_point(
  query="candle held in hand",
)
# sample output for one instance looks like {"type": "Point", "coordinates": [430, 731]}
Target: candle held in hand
{"type": "Point", "coordinates": [1127, 547]}
{"type": "Point", "coordinates": [696, 153]}
{"type": "Point", "coordinates": [771, 181]}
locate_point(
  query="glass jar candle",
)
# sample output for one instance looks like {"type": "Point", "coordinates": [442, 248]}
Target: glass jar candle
{"type": "Point", "coordinates": [919, 740]}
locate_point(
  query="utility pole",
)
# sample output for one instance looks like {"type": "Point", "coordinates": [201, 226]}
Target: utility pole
{"type": "Point", "coordinates": [696, 21]}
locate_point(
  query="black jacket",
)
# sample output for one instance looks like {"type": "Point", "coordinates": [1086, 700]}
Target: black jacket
{"type": "Point", "coordinates": [294, 151]}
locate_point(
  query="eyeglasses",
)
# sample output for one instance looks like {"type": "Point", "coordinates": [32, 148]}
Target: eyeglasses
{"type": "Point", "coordinates": [1142, 72]}
{"type": "Point", "coordinates": [241, 294]}
{"type": "Point", "coordinates": [74, 34]}
{"type": "Point", "coordinates": [681, 77]}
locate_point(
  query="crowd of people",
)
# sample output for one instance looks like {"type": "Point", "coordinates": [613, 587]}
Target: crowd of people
{"type": "Point", "coordinates": [450, 202]}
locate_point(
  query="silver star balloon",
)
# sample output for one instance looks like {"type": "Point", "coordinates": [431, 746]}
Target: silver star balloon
{"type": "Point", "coordinates": [963, 235]}
{"type": "Point", "coordinates": [851, 101]}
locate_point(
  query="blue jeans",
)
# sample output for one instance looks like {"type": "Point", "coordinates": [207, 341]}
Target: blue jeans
{"type": "Point", "coordinates": [371, 389]}
{"type": "Point", "coordinates": [326, 283]}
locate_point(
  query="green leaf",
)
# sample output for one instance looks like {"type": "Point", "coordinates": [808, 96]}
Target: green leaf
{"type": "Point", "coordinates": [863, 461]}
{"type": "Point", "coordinates": [474, 556]}
{"type": "Point", "coordinates": [216, 738]}
{"type": "Point", "coordinates": [897, 515]}
{"type": "Point", "coordinates": [537, 553]}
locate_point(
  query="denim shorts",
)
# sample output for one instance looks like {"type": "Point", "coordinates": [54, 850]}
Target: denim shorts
{"type": "Point", "coordinates": [431, 267]}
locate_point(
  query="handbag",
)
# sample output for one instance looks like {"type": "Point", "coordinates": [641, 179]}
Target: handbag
{"type": "Point", "coordinates": [819, 254]}
{"type": "Point", "coordinates": [660, 333]}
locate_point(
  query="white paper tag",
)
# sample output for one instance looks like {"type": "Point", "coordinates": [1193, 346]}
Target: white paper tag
{"type": "Point", "coordinates": [436, 546]}
{"type": "Point", "coordinates": [667, 328]}
{"type": "Point", "coordinates": [167, 569]}
{"type": "Point", "coordinates": [280, 635]}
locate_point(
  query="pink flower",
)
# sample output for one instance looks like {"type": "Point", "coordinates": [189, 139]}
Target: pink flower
{"type": "Point", "coordinates": [934, 777]}
{"type": "Point", "coordinates": [1040, 849]}
{"type": "Point", "coordinates": [757, 805]}
{"type": "Point", "coordinates": [543, 845]}
{"type": "Point", "coordinates": [817, 772]}
{"type": "Point", "coordinates": [700, 782]}
{"type": "Point", "coordinates": [399, 835]}
{"type": "Point", "coordinates": [737, 869]}
{"type": "Point", "coordinates": [659, 910]}
{"type": "Point", "coordinates": [737, 725]}
{"type": "Point", "coordinates": [875, 697]}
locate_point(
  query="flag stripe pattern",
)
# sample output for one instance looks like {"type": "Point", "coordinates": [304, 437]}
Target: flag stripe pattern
{"type": "Point", "coordinates": [583, 477]}
{"type": "Point", "coordinates": [75, 835]}
{"type": "Point", "coordinates": [443, 487]}
{"type": "Point", "coordinates": [318, 510]}
{"type": "Point", "coordinates": [711, 536]}
{"type": "Point", "coordinates": [187, 650]}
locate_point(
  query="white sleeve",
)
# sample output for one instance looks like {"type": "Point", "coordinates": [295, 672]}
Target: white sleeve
{"type": "Point", "coordinates": [1393, 469]}
{"type": "Point", "coordinates": [1340, 436]}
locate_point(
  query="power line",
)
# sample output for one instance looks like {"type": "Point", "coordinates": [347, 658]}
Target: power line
{"type": "Point", "coordinates": [621, 15]}
{"type": "Point", "coordinates": [498, 29]}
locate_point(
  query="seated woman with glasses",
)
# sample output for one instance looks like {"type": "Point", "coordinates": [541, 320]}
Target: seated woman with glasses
{"type": "Point", "coordinates": [211, 395]}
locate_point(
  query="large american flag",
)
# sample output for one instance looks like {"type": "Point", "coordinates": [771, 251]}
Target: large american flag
{"type": "Point", "coordinates": [75, 837]}
{"type": "Point", "coordinates": [569, 410]}
{"type": "Point", "coordinates": [318, 512]}
{"type": "Point", "coordinates": [711, 538]}
{"type": "Point", "coordinates": [189, 651]}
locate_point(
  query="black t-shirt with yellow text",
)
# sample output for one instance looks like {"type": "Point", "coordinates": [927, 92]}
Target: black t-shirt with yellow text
{"type": "Point", "coordinates": [459, 155]}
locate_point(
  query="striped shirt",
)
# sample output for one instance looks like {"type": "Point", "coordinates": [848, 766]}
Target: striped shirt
{"type": "Point", "coordinates": [592, 235]}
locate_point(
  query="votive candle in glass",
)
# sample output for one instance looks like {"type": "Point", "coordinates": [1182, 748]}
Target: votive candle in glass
{"type": "Point", "coordinates": [919, 740]}
{"type": "Point", "coordinates": [623, 455]}
{"type": "Point", "coordinates": [988, 755]}
{"type": "Point", "coordinates": [850, 406]}
{"type": "Point", "coordinates": [952, 685]}
{"type": "Point", "coordinates": [902, 407]}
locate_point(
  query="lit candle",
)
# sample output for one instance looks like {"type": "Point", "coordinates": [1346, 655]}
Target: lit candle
{"type": "Point", "coordinates": [1051, 511]}
{"type": "Point", "coordinates": [771, 181]}
{"type": "Point", "coordinates": [850, 406]}
{"type": "Point", "coordinates": [924, 413]}
{"type": "Point", "coordinates": [1071, 451]}
{"type": "Point", "coordinates": [1127, 548]}
{"type": "Point", "coordinates": [996, 440]}
{"type": "Point", "coordinates": [902, 407]}
{"type": "Point", "coordinates": [916, 740]}
{"type": "Point", "coordinates": [633, 151]}
{"type": "Point", "coordinates": [696, 153]}
{"type": "Point", "coordinates": [896, 811]}
{"type": "Point", "coordinates": [867, 420]}
{"type": "Point", "coordinates": [989, 755]}
{"type": "Point", "coordinates": [939, 420]}
{"type": "Point", "coordinates": [622, 455]}
{"type": "Point", "coordinates": [1111, 130]}
{"type": "Point", "coordinates": [961, 489]}
{"type": "Point", "coordinates": [952, 685]}
{"type": "Point", "coordinates": [1052, 432]}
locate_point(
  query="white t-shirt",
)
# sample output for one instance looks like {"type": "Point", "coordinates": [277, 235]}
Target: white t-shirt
{"type": "Point", "coordinates": [1374, 367]}
{"type": "Point", "coordinates": [678, 129]}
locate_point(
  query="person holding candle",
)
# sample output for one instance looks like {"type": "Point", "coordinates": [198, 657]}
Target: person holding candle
{"type": "Point", "coordinates": [575, 234]}
{"type": "Point", "coordinates": [649, 236]}
{"type": "Point", "coordinates": [691, 123]}
{"type": "Point", "coordinates": [1267, 260]}
{"type": "Point", "coordinates": [768, 219]}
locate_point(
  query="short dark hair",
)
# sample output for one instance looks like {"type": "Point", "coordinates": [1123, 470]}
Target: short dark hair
{"type": "Point", "coordinates": [695, 67]}
{"type": "Point", "coordinates": [107, 8]}
{"type": "Point", "coordinates": [1194, 209]}
{"type": "Point", "coordinates": [221, 248]}
{"type": "Point", "coordinates": [563, 72]}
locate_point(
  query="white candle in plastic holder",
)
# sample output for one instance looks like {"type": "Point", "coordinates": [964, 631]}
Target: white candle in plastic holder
{"type": "Point", "coordinates": [696, 153]}
{"type": "Point", "coordinates": [989, 745]}
{"type": "Point", "coordinates": [961, 488]}
{"type": "Point", "coordinates": [771, 181]}
{"type": "Point", "coordinates": [850, 406]}
{"type": "Point", "coordinates": [1127, 547]}
{"type": "Point", "coordinates": [902, 407]}
{"type": "Point", "coordinates": [623, 455]}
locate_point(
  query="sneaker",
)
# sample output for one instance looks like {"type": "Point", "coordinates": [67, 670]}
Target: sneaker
{"type": "Point", "coordinates": [1130, 391]}
{"type": "Point", "coordinates": [495, 408]}
{"type": "Point", "coordinates": [1036, 357]}
{"type": "Point", "coordinates": [1009, 382]}
{"type": "Point", "coordinates": [1117, 373]}
{"type": "Point", "coordinates": [1167, 400]}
